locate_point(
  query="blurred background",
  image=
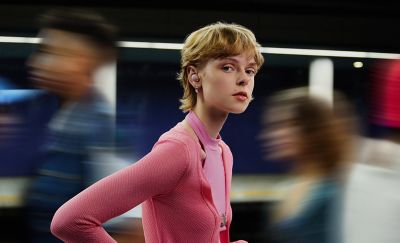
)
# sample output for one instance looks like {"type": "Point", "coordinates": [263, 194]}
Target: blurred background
{"type": "Point", "coordinates": [323, 45]}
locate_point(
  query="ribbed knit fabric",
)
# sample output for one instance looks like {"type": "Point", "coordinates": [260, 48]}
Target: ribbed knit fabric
{"type": "Point", "coordinates": [213, 167]}
{"type": "Point", "coordinates": [177, 199]}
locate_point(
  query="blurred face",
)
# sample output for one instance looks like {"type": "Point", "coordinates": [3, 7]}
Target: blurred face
{"type": "Point", "coordinates": [63, 64]}
{"type": "Point", "coordinates": [227, 84]}
{"type": "Point", "coordinates": [281, 137]}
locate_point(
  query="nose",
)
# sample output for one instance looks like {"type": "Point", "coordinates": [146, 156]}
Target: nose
{"type": "Point", "coordinates": [243, 78]}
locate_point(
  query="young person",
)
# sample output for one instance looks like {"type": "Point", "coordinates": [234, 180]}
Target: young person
{"type": "Point", "coordinates": [74, 45]}
{"type": "Point", "coordinates": [184, 182]}
{"type": "Point", "coordinates": [317, 139]}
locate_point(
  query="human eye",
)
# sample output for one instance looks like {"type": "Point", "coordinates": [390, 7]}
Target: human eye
{"type": "Point", "coordinates": [251, 71]}
{"type": "Point", "coordinates": [228, 68]}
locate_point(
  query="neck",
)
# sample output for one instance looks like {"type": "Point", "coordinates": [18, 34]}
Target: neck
{"type": "Point", "coordinates": [212, 120]}
{"type": "Point", "coordinates": [70, 99]}
{"type": "Point", "coordinates": [79, 93]}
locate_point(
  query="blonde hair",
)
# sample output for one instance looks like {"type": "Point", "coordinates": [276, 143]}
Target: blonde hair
{"type": "Point", "coordinates": [214, 41]}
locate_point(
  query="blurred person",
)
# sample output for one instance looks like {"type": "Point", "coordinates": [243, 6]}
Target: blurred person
{"type": "Point", "coordinates": [316, 140]}
{"type": "Point", "coordinates": [184, 182]}
{"type": "Point", "coordinates": [74, 45]}
{"type": "Point", "coordinates": [372, 204]}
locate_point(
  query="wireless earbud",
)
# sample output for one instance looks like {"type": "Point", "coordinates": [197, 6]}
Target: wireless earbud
{"type": "Point", "coordinates": [195, 78]}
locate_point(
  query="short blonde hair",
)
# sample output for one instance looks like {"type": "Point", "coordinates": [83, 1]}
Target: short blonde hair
{"type": "Point", "coordinates": [214, 41]}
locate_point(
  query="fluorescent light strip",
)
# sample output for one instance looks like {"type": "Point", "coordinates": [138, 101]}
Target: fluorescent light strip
{"type": "Point", "coordinates": [13, 39]}
{"type": "Point", "coordinates": [329, 53]}
{"type": "Point", "coordinates": [266, 50]}
{"type": "Point", "coordinates": [150, 45]}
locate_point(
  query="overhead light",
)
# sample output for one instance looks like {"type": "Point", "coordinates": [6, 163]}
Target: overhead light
{"type": "Point", "coordinates": [14, 39]}
{"type": "Point", "coordinates": [358, 64]}
{"type": "Point", "coordinates": [266, 50]}
{"type": "Point", "coordinates": [329, 53]}
{"type": "Point", "coordinates": [150, 45]}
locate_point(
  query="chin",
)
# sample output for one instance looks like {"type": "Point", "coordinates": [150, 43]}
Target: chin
{"type": "Point", "coordinates": [238, 110]}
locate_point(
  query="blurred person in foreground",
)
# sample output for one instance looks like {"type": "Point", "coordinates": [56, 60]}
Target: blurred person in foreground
{"type": "Point", "coordinates": [316, 139]}
{"type": "Point", "coordinates": [74, 45]}
{"type": "Point", "coordinates": [184, 181]}
{"type": "Point", "coordinates": [372, 202]}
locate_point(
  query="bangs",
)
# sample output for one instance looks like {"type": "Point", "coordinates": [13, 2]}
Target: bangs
{"type": "Point", "coordinates": [228, 42]}
{"type": "Point", "coordinates": [221, 41]}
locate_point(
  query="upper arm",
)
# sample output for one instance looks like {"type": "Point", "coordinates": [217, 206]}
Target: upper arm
{"type": "Point", "coordinates": [157, 173]}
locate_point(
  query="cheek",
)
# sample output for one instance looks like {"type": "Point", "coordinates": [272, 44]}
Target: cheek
{"type": "Point", "coordinates": [71, 66]}
{"type": "Point", "coordinates": [74, 66]}
{"type": "Point", "coordinates": [251, 86]}
{"type": "Point", "coordinates": [221, 81]}
{"type": "Point", "coordinates": [214, 87]}
{"type": "Point", "coordinates": [219, 85]}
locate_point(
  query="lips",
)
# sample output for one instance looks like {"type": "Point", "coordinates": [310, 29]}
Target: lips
{"type": "Point", "coordinates": [244, 94]}
{"type": "Point", "coordinates": [241, 96]}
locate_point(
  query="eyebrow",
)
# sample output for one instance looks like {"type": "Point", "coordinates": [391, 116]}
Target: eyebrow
{"type": "Point", "coordinates": [236, 61]}
{"type": "Point", "coordinates": [253, 64]}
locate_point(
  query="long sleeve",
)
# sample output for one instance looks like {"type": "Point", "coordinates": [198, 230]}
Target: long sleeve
{"type": "Point", "coordinates": [159, 172]}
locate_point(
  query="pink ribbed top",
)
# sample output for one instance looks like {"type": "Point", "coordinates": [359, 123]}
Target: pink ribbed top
{"type": "Point", "coordinates": [176, 197]}
{"type": "Point", "coordinates": [213, 166]}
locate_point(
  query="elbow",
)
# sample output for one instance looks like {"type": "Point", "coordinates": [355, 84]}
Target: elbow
{"type": "Point", "coordinates": [56, 229]}
{"type": "Point", "coordinates": [59, 225]}
{"type": "Point", "coordinates": [73, 226]}
{"type": "Point", "coordinates": [63, 224]}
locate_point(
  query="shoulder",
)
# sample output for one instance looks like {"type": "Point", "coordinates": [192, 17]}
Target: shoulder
{"type": "Point", "coordinates": [225, 147]}
{"type": "Point", "coordinates": [226, 150]}
{"type": "Point", "coordinates": [176, 144]}
{"type": "Point", "coordinates": [174, 152]}
{"type": "Point", "coordinates": [180, 136]}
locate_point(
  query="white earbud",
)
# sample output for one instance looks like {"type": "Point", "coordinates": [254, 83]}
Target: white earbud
{"type": "Point", "coordinates": [195, 78]}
